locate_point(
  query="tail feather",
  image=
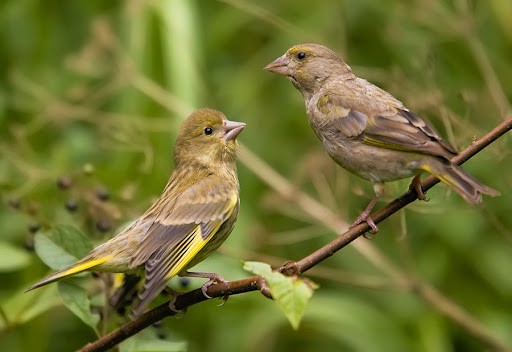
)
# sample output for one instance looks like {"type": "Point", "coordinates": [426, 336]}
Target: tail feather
{"type": "Point", "coordinates": [69, 271]}
{"type": "Point", "coordinates": [459, 180]}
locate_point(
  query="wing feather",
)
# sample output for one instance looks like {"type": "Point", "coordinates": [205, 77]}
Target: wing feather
{"type": "Point", "coordinates": [397, 129]}
{"type": "Point", "coordinates": [175, 238]}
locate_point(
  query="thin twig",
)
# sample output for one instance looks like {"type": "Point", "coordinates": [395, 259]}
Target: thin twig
{"type": "Point", "coordinates": [257, 283]}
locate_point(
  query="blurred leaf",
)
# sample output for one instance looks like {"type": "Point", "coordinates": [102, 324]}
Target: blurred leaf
{"type": "Point", "coordinates": [148, 341]}
{"type": "Point", "coordinates": [361, 324]}
{"type": "Point", "coordinates": [23, 307]}
{"type": "Point", "coordinates": [75, 298]}
{"type": "Point", "coordinates": [61, 246]}
{"type": "Point", "coordinates": [12, 258]}
{"type": "Point", "coordinates": [292, 294]}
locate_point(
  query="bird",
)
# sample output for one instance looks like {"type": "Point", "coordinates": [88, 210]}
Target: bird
{"type": "Point", "coordinates": [193, 216]}
{"type": "Point", "coordinates": [367, 131]}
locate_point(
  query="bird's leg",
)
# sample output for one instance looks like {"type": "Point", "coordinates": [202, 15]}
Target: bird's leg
{"type": "Point", "coordinates": [365, 215]}
{"type": "Point", "coordinates": [175, 295]}
{"type": "Point", "coordinates": [213, 278]}
{"type": "Point", "coordinates": [416, 185]}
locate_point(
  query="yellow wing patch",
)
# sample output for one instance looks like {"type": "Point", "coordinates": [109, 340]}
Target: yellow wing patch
{"type": "Point", "coordinates": [172, 247]}
{"type": "Point", "coordinates": [194, 242]}
{"type": "Point", "coordinates": [383, 144]}
{"type": "Point", "coordinates": [326, 106]}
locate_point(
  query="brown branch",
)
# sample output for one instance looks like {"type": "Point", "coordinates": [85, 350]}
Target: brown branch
{"type": "Point", "coordinates": [257, 283]}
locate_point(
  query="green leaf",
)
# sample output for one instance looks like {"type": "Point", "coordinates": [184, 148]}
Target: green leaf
{"type": "Point", "coordinates": [152, 345]}
{"type": "Point", "coordinates": [12, 258]}
{"type": "Point", "coordinates": [23, 307]}
{"type": "Point", "coordinates": [75, 298]}
{"type": "Point", "coordinates": [148, 341]}
{"type": "Point", "coordinates": [292, 294]}
{"type": "Point", "coordinates": [61, 246]}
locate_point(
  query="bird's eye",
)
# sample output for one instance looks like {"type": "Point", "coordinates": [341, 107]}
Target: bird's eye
{"type": "Point", "coordinates": [301, 55]}
{"type": "Point", "coordinates": [208, 130]}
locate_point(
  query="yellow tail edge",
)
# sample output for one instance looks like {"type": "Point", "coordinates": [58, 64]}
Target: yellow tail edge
{"type": "Point", "coordinates": [69, 271]}
{"type": "Point", "coordinates": [460, 181]}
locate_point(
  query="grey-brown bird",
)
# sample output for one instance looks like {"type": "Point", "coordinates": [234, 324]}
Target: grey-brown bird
{"type": "Point", "coordinates": [194, 215]}
{"type": "Point", "coordinates": [366, 130]}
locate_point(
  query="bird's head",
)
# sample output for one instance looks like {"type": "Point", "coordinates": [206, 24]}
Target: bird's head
{"type": "Point", "coordinates": [207, 138]}
{"type": "Point", "coordinates": [307, 66]}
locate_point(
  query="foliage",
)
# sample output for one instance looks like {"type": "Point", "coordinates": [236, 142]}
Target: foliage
{"type": "Point", "coordinates": [92, 94]}
{"type": "Point", "coordinates": [292, 293]}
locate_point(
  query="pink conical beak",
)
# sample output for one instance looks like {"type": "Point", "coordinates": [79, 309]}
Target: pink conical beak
{"type": "Point", "coordinates": [280, 66]}
{"type": "Point", "coordinates": [232, 129]}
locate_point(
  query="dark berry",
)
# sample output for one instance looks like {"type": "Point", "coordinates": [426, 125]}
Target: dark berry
{"type": "Point", "coordinates": [14, 203]}
{"type": "Point", "coordinates": [71, 205]}
{"type": "Point", "coordinates": [103, 225]}
{"type": "Point", "coordinates": [103, 194]}
{"type": "Point", "coordinates": [64, 182]}
{"type": "Point", "coordinates": [34, 227]}
{"type": "Point", "coordinates": [184, 281]}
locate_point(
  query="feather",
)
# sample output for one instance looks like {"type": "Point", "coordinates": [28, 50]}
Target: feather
{"type": "Point", "coordinates": [393, 129]}
{"type": "Point", "coordinates": [174, 239]}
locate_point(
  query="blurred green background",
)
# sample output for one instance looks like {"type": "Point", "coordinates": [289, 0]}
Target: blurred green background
{"type": "Point", "coordinates": [91, 96]}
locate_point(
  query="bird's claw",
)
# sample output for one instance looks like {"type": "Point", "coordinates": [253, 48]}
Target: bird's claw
{"type": "Point", "coordinates": [416, 185]}
{"type": "Point", "coordinates": [172, 303]}
{"type": "Point", "coordinates": [224, 300]}
{"type": "Point", "coordinates": [214, 278]}
{"type": "Point", "coordinates": [366, 218]}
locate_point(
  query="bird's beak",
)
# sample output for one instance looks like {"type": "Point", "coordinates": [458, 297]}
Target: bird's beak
{"type": "Point", "coordinates": [280, 66]}
{"type": "Point", "coordinates": [232, 129]}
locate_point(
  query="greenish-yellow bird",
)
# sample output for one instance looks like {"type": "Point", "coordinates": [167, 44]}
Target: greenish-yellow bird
{"type": "Point", "coordinates": [191, 219]}
{"type": "Point", "coordinates": [366, 130]}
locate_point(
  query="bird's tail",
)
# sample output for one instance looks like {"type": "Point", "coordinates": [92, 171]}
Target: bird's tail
{"type": "Point", "coordinates": [71, 270]}
{"type": "Point", "coordinates": [459, 180]}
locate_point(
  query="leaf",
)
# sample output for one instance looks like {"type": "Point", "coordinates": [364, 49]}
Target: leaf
{"type": "Point", "coordinates": [12, 258]}
{"type": "Point", "coordinates": [61, 246]}
{"type": "Point", "coordinates": [23, 307]}
{"type": "Point", "coordinates": [292, 294]}
{"type": "Point", "coordinates": [148, 341]}
{"type": "Point", "coordinates": [75, 298]}
{"type": "Point", "coordinates": [152, 345]}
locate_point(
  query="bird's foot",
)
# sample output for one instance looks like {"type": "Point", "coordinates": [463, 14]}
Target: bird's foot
{"type": "Point", "coordinates": [213, 278]}
{"type": "Point", "coordinates": [172, 303]}
{"type": "Point", "coordinates": [365, 217]}
{"type": "Point", "coordinates": [416, 185]}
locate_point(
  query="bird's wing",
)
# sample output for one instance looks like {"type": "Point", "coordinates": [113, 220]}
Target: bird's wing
{"type": "Point", "coordinates": [396, 128]}
{"type": "Point", "coordinates": [174, 238]}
